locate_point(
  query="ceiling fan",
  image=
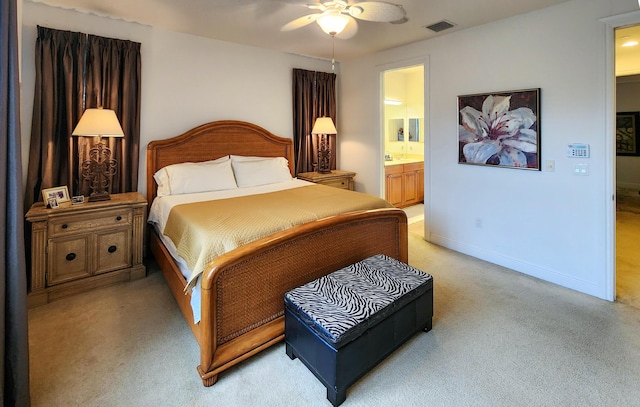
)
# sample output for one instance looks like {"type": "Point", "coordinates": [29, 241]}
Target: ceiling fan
{"type": "Point", "coordinates": [336, 15]}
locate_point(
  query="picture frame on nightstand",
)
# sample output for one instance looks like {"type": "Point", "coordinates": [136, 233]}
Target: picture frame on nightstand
{"type": "Point", "coordinates": [78, 199]}
{"type": "Point", "coordinates": [61, 194]}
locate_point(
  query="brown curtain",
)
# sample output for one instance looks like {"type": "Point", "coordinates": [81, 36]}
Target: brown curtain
{"type": "Point", "coordinates": [314, 95]}
{"type": "Point", "coordinates": [14, 352]}
{"type": "Point", "coordinates": [75, 71]}
{"type": "Point", "coordinates": [57, 107]}
{"type": "Point", "coordinates": [113, 82]}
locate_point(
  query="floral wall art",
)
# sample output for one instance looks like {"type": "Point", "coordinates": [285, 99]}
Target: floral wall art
{"type": "Point", "coordinates": [500, 129]}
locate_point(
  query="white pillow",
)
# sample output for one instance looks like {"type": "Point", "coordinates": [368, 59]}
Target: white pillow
{"type": "Point", "coordinates": [253, 172]}
{"type": "Point", "coordinates": [187, 178]}
{"type": "Point", "coordinates": [240, 158]}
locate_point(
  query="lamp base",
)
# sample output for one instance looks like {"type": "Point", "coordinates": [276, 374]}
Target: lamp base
{"type": "Point", "coordinates": [99, 196]}
{"type": "Point", "coordinates": [324, 155]}
{"type": "Point", "coordinates": [98, 170]}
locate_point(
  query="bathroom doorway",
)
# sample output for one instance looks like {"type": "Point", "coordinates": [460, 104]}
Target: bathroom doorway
{"type": "Point", "coordinates": [627, 72]}
{"type": "Point", "coordinates": [404, 133]}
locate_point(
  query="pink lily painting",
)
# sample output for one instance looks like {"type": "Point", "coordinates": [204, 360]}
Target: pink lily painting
{"type": "Point", "coordinates": [500, 129]}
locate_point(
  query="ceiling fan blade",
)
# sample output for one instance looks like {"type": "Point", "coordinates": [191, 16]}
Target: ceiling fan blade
{"type": "Point", "coordinates": [349, 30]}
{"type": "Point", "coordinates": [300, 22]}
{"type": "Point", "coordinates": [317, 6]}
{"type": "Point", "coordinates": [377, 11]}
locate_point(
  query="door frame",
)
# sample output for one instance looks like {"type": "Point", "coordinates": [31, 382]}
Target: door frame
{"type": "Point", "coordinates": [380, 70]}
{"type": "Point", "coordinates": [613, 22]}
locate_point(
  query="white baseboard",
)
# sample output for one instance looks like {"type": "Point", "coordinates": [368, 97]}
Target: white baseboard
{"type": "Point", "coordinates": [533, 270]}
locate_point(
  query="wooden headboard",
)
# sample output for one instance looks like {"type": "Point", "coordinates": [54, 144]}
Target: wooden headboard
{"type": "Point", "coordinates": [214, 140]}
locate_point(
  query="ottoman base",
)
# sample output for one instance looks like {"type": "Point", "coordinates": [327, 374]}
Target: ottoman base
{"type": "Point", "coordinates": [338, 369]}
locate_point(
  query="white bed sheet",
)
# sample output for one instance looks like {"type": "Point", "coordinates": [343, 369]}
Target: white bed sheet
{"type": "Point", "coordinates": [161, 207]}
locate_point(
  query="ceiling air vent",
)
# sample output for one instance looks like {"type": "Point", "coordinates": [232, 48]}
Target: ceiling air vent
{"type": "Point", "coordinates": [439, 26]}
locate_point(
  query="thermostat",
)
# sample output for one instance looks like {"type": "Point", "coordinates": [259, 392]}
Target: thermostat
{"type": "Point", "coordinates": [578, 150]}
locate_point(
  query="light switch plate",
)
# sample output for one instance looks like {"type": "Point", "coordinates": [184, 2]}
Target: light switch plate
{"type": "Point", "coordinates": [581, 169]}
{"type": "Point", "coordinates": [550, 165]}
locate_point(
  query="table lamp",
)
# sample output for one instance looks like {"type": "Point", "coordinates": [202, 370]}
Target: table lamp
{"type": "Point", "coordinates": [323, 127]}
{"type": "Point", "coordinates": [100, 167]}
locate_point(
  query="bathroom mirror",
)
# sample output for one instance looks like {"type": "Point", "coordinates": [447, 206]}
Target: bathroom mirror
{"type": "Point", "coordinates": [413, 130]}
{"type": "Point", "coordinates": [396, 130]}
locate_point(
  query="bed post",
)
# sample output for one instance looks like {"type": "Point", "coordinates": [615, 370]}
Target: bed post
{"type": "Point", "coordinates": [208, 330]}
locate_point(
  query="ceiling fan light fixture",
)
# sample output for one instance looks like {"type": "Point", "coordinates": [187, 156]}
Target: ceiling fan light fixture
{"type": "Point", "coordinates": [332, 22]}
{"type": "Point", "coordinates": [339, 17]}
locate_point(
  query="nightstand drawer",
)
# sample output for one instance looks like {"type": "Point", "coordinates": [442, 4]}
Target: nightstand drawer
{"type": "Point", "coordinates": [338, 183]}
{"type": "Point", "coordinates": [90, 222]}
{"type": "Point", "coordinates": [69, 259]}
{"type": "Point", "coordinates": [336, 178]}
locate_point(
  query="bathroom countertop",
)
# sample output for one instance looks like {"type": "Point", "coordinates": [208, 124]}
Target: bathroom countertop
{"type": "Point", "coordinates": [407, 160]}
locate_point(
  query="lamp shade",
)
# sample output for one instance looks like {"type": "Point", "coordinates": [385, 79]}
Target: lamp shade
{"type": "Point", "coordinates": [333, 22]}
{"type": "Point", "coordinates": [324, 125]}
{"type": "Point", "coordinates": [99, 122]}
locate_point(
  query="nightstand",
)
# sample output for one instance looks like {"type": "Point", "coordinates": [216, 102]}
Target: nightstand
{"type": "Point", "coordinates": [76, 248]}
{"type": "Point", "coordinates": [337, 178]}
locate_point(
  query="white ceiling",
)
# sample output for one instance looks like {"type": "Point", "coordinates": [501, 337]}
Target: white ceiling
{"type": "Point", "coordinates": [258, 22]}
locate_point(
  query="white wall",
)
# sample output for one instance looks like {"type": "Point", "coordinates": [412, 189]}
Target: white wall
{"type": "Point", "coordinates": [186, 80]}
{"type": "Point", "coordinates": [628, 100]}
{"type": "Point", "coordinates": [551, 225]}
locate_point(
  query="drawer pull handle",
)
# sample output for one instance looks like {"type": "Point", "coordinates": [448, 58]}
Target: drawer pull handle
{"type": "Point", "coordinates": [119, 218]}
{"type": "Point", "coordinates": [64, 226]}
{"type": "Point", "coordinates": [71, 256]}
{"type": "Point", "coordinates": [112, 249]}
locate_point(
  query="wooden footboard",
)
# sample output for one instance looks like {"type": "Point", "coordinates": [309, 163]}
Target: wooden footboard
{"type": "Point", "coordinates": [247, 286]}
{"type": "Point", "coordinates": [243, 291]}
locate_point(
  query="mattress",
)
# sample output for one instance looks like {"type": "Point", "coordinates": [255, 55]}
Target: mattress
{"type": "Point", "coordinates": [161, 207]}
{"type": "Point", "coordinates": [196, 228]}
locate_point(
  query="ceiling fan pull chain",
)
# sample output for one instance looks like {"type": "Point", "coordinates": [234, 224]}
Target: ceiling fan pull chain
{"type": "Point", "coordinates": [333, 53]}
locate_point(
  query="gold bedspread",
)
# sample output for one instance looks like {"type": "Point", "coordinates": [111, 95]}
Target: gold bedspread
{"type": "Point", "coordinates": [202, 231]}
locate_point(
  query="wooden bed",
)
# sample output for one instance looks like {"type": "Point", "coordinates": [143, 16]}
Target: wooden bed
{"type": "Point", "coordinates": [243, 290]}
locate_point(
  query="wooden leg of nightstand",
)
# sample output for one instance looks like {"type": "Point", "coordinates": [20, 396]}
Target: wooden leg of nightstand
{"type": "Point", "coordinates": [38, 255]}
{"type": "Point", "coordinates": [139, 271]}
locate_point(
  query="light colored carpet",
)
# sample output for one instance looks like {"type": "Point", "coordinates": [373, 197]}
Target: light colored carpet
{"type": "Point", "coordinates": [414, 213]}
{"type": "Point", "coordinates": [499, 338]}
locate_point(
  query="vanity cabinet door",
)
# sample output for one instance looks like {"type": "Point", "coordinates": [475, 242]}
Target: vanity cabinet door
{"type": "Point", "coordinates": [393, 184]}
{"type": "Point", "coordinates": [413, 183]}
{"type": "Point", "coordinates": [410, 182]}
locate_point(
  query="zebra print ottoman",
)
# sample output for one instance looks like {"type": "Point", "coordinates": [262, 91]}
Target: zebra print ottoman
{"type": "Point", "coordinates": [343, 324]}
